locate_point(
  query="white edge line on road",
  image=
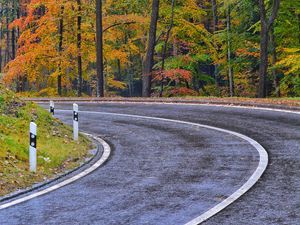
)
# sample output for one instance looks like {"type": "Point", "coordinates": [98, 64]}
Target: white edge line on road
{"type": "Point", "coordinates": [249, 107]}
{"type": "Point", "coordinates": [104, 157]}
{"type": "Point", "coordinates": [263, 162]}
{"type": "Point", "coordinates": [194, 104]}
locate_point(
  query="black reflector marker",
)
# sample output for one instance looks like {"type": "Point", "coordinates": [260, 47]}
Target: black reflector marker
{"type": "Point", "coordinates": [51, 109]}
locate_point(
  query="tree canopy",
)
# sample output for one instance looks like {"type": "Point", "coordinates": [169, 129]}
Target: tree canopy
{"type": "Point", "coordinates": [201, 47]}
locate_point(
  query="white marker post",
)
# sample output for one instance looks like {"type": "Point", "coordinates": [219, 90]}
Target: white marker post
{"type": "Point", "coordinates": [51, 109]}
{"type": "Point", "coordinates": [32, 148]}
{"type": "Point", "coordinates": [75, 121]}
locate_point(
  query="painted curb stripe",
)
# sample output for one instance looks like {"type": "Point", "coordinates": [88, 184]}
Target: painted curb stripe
{"type": "Point", "coordinates": [263, 162]}
{"type": "Point", "coordinates": [103, 159]}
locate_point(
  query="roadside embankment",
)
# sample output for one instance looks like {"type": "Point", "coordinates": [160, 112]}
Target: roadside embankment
{"type": "Point", "coordinates": [57, 152]}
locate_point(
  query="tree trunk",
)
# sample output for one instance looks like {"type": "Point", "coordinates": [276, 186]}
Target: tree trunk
{"type": "Point", "coordinates": [99, 42]}
{"type": "Point", "coordinates": [149, 60]}
{"type": "Point", "coordinates": [60, 49]}
{"type": "Point", "coordinates": [266, 24]}
{"type": "Point", "coordinates": [273, 62]}
{"type": "Point", "coordinates": [13, 44]}
{"type": "Point", "coordinates": [18, 29]}
{"type": "Point", "coordinates": [230, 71]}
{"type": "Point", "coordinates": [299, 26]}
{"type": "Point", "coordinates": [164, 53]}
{"type": "Point", "coordinates": [215, 29]}
{"type": "Point", "coordinates": [1, 37]}
{"type": "Point", "coordinates": [13, 34]}
{"type": "Point", "coordinates": [79, 57]}
{"type": "Point", "coordinates": [263, 62]}
{"type": "Point", "coordinates": [215, 14]}
{"type": "Point", "coordinates": [7, 52]}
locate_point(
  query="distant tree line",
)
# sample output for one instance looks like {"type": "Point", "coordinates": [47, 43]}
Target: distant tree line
{"type": "Point", "coordinates": [248, 48]}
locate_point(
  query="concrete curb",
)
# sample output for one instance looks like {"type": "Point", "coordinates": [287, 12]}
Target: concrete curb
{"type": "Point", "coordinates": [100, 160]}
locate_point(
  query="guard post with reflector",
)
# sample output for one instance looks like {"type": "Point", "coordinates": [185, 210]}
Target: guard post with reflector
{"type": "Point", "coordinates": [32, 147]}
{"type": "Point", "coordinates": [51, 109]}
{"type": "Point", "coordinates": [75, 121]}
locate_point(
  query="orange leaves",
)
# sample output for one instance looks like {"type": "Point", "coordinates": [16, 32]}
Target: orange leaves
{"type": "Point", "coordinates": [17, 23]}
{"type": "Point", "coordinates": [37, 55]}
{"type": "Point", "coordinates": [183, 91]}
{"type": "Point", "coordinates": [46, 51]}
{"type": "Point", "coordinates": [250, 49]}
{"type": "Point", "coordinates": [176, 75]}
{"type": "Point", "coordinates": [246, 52]}
{"type": "Point", "coordinates": [180, 76]}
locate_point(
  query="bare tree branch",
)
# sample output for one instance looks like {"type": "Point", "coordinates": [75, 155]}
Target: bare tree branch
{"type": "Point", "coordinates": [275, 10]}
{"type": "Point", "coordinates": [118, 24]}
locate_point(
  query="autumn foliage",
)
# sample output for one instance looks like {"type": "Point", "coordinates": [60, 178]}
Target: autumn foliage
{"type": "Point", "coordinates": [40, 62]}
{"type": "Point", "coordinates": [177, 75]}
{"type": "Point", "coordinates": [212, 46]}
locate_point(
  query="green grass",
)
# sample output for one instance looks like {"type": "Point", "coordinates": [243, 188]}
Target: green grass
{"type": "Point", "coordinates": [57, 151]}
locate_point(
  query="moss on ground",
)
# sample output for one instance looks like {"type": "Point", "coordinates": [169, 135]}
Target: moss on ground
{"type": "Point", "coordinates": [57, 151]}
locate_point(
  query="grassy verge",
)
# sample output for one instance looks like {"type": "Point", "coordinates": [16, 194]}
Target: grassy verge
{"type": "Point", "coordinates": [57, 151]}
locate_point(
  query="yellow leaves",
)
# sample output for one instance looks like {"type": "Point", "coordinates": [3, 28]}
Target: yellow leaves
{"type": "Point", "coordinates": [117, 54]}
{"type": "Point", "coordinates": [119, 19]}
{"type": "Point", "coordinates": [55, 74]}
{"type": "Point", "coordinates": [111, 82]}
{"type": "Point", "coordinates": [292, 50]}
{"type": "Point", "coordinates": [191, 10]}
{"type": "Point", "coordinates": [291, 61]}
{"type": "Point", "coordinates": [47, 92]}
{"type": "Point", "coordinates": [133, 48]}
{"type": "Point", "coordinates": [193, 34]}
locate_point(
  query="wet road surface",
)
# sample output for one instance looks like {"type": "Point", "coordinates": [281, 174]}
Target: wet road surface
{"type": "Point", "coordinates": [166, 173]}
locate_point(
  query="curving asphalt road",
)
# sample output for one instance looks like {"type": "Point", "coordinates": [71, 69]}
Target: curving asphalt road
{"type": "Point", "coordinates": [169, 173]}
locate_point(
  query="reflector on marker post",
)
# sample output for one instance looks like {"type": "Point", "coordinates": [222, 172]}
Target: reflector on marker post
{"type": "Point", "coordinates": [51, 109]}
{"type": "Point", "coordinates": [75, 121]}
{"type": "Point", "coordinates": [32, 147]}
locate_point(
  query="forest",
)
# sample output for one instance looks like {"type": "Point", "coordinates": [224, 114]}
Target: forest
{"type": "Point", "coordinates": [158, 48]}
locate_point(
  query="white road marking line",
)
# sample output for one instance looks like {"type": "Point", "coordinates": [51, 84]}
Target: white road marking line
{"type": "Point", "coordinates": [263, 162]}
{"type": "Point", "coordinates": [104, 157]}
{"type": "Point", "coordinates": [190, 104]}
{"type": "Point", "coordinates": [253, 107]}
